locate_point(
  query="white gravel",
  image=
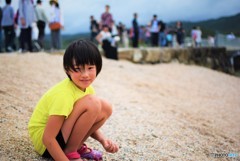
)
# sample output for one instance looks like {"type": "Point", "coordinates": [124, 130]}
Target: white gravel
{"type": "Point", "coordinates": [161, 112]}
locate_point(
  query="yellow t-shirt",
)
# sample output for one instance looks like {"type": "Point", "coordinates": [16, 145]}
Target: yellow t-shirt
{"type": "Point", "coordinates": [59, 100]}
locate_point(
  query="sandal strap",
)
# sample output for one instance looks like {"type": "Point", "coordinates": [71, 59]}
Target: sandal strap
{"type": "Point", "coordinates": [73, 155]}
{"type": "Point", "coordinates": [92, 154]}
{"type": "Point", "coordinates": [82, 149]}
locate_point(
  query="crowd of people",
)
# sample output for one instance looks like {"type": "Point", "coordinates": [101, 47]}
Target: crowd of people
{"type": "Point", "coordinates": [31, 20]}
{"type": "Point", "coordinates": [111, 35]}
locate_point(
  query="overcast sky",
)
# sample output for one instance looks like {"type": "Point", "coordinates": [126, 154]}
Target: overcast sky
{"type": "Point", "coordinates": [76, 13]}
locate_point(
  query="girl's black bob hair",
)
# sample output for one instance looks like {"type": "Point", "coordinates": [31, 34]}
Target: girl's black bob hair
{"type": "Point", "coordinates": [80, 53]}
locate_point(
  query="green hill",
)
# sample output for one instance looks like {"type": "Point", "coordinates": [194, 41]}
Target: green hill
{"type": "Point", "coordinates": [224, 25]}
{"type": "Point", "coordinates": [66, 39]}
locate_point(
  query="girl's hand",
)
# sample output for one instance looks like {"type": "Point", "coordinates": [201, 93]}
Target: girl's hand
{"type": "Point", "coordinates": [110, 146]}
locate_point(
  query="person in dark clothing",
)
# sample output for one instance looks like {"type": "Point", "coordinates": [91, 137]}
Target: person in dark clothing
{"type": "Point", "coordinates": [162, 36]}
{"type": "Point", "coordinates": [0, 29]}
{"type": "Point", "coordinates": [8, 26]}
{"type": "Point", "coordinates": [180, 34]}
{"type": "Point", "coordinates": [135, 31]}
{"type": "Point", "coordinates": [120, 28]}
{"type": "Point", "coordinates": [94, 27]}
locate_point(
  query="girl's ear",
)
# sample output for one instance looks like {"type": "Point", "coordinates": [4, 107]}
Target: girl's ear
{"type": "Point", "coordinates": [69, 76]}
{"type": "Point", "coordinates": [67, 72]}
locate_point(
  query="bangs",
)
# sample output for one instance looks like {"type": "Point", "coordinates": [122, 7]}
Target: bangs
{"type": "Point", "coordinates": [82, 53]}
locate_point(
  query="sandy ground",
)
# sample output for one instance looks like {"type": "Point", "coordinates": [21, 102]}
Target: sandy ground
{"type": "Point", "coordinates": [161, 112]}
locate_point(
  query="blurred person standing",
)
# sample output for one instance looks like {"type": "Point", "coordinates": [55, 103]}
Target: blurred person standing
{"type": "Point", "coordinates": [125, 40]}
{"type": "Point", "coordinates": [8, 26]}
{"type": "Point", "coordinates": [41, 22]}
{"type": "Point", "coordinates": [211, 41]}
{"type": "Point", "coordinates": [106, 18]}
{"type": "Point", "coordinates": [147, 35]}
{"type": "Point", "coordinates": [0, 29]}
{"type": "Point", "coordinates": [120, 27]}
{"type": "Point", "coordinates": [55, 24]}
{"type": "Point", "coordinates": [180, 34]}
{"type": "Point", "coordinates": [25, 20]}
{"type": "Point", "coordinates": [169, 38]}
{"type": "Point", "coordinates": [198, 37]}
{"type": "Point", "coordinates": [154, 31]}
{"type": "Point", "coordinates": [115, 33]}
{"type": "Point", "coordinates": [162, 35]}
{"type": "Point", "coordinates": [194, 35]}
{"type": "Point", "coordinates": [135, 31]}
{"type": "Point", "coordinates": [94, 27]}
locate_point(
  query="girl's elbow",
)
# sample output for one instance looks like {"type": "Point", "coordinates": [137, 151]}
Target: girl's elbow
{"type": "Point", "coordinates": [47, 140]}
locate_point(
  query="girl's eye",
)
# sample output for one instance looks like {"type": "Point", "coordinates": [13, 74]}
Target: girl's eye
{"type": "Point", "coordinates": [77, 69]}
{"type": "Point", "coordinates": [90, 68]}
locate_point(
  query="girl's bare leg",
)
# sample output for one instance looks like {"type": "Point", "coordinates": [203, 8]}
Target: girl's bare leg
{"type": "Point", "coordinates": [105, 113]}
{"type": "Point", "coordinates": [82, 119]}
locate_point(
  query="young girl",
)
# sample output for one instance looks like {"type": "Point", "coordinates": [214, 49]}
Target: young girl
{"type": "Point", "coordinates": [70, 112]}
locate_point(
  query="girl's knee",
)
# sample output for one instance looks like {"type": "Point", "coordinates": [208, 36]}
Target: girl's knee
{"type": "Point", "coordinates": [106, 108]}
{"type": "Point", "coordinates": [89, 103]}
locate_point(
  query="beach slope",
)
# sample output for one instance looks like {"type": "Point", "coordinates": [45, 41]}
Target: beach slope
{"type": "Point", "coordinates": [160, 112]}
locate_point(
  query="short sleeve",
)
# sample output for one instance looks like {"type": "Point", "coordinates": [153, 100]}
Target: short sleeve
{"type": "Point", "coordinates": [61, 104]}
{"type": "Point", "coordinates": [91, 90]}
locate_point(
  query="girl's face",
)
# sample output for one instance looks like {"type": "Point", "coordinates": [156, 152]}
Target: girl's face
{"type": "Point", "coordinates": [84, 75]}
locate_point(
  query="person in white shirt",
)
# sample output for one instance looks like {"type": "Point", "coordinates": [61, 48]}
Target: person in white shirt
{"type": "Point", "coordinates": [56, 17]}
{"type": "Point", "coordinates": [198, 37]}
{"type": "Point", "coordinates": [105, 39]}
{"type": "Point", "coordinates": [154, 31]}
{"type": "Point", "coordinates": [104, 35]}
{"type": "Point", "coordinates": [41, 22]}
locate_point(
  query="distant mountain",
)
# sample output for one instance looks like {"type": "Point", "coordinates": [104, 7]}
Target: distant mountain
{"type": "Point", "coordinates": [66, 39]}
{"type": "Point", "coordinates": [224, 25]}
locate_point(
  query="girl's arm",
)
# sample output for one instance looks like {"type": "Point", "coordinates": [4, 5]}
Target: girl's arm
{"type": "Point", "coordinates": [98, 135]}
{"type": "Point", "coordinates": [52, 129]}
{"type": "Point", "coordinates": [108, 145]}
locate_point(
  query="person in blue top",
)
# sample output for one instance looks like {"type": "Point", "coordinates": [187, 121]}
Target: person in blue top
{"type": "Point", "coordinates": [25, 20]}
{"type": "Point", "coordinates": [8, 26]}
{"type": "Point", "coordinates": [0, 30]}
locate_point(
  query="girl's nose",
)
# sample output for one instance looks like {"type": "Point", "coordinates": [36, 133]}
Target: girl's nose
{"type": "Point", "coordinates": [84, 72]}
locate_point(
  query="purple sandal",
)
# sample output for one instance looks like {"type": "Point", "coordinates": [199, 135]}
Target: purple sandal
{"type": "Point", "coordinates": [92, 154]}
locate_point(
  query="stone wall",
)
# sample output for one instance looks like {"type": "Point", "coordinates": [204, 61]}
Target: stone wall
{"type": "Point", "coordinates": [212, 57]}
